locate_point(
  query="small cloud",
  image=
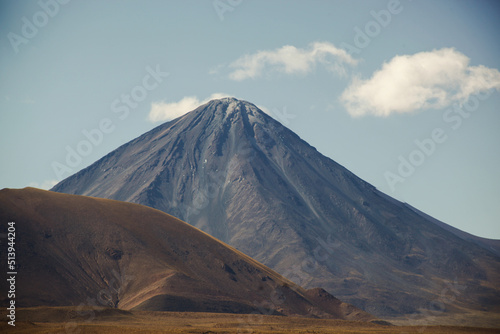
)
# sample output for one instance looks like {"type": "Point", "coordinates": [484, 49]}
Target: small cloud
{"type": "Point", "coordinates": [162, 111]}
{"type": "Point", "coordinates": [424, 80]}
{"type": "Point", "coordinates": [167, 111]}
{"type": "Point", "coordinates": [215, 70]}
{"type": "Point", "coordinates": [47, 184]}
{"type": "Point", "coordinates": [291, 60]}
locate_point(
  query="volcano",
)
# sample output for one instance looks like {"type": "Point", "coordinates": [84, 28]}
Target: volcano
{"type": "Point", "coordinates": [234, 172]}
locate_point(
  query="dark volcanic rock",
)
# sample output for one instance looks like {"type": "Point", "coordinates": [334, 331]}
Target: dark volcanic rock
{"type": "Point", "coordinates": [236, 173]}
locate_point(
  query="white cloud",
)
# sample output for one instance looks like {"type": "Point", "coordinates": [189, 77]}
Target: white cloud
{"type": "Point", "coordinates": [216, 69]}
{"type": "Point", "coordinates": [162, 111]}
{"type": "Point", "coordinates": [291, 60]}
{"type": "Point", "coordinates": [47, 184]}
{"type": "Point", "coordinates": [424, 80]}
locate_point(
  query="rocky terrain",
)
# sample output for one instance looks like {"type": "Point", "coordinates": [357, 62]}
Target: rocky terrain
{"type": "Point", "coordinates": [239, 175]}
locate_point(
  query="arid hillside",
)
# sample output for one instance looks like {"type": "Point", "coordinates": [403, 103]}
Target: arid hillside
{"type": "Point", "coordinates": [82, 251]}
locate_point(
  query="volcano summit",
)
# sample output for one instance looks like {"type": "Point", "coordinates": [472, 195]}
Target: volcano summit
{"type": "Point", "coordinates": [236, 173]}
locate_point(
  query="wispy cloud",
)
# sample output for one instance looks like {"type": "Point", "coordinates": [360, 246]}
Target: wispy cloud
{"type": "Point", "coordinates": [24, 100]}
{"type": "Point", "coordinates": [291, 60]}
{"type": "Point", "coordinates": [166, 111]}
{"type": "Point", "coordinates": [28, 101]}
{"type": "Point", "coordinates": [424, 80]}
{"type": "Point", "coordinates": [47, 184]}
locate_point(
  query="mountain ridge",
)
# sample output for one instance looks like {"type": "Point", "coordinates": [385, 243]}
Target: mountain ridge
{"type": "Point", "coordinates": [244, 178]}
{"type": "Point", "coordinates": [131, 257]}
{"type": "Point", "coordinates": [492, 245]}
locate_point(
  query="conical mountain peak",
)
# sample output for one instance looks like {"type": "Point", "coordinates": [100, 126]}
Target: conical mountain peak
{"type": "Point", "coordinates": [236, 173]}
{"type": "Point", "coordinates": [228, 106]}
{"type": "Point", "coordinates": [227, 100]}
{"type": "Point", "coordinates": [231, 102]}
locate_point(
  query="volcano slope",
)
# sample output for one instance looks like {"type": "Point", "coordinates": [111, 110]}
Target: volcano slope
{"type": "Point", "coordinates": [76, 250]}
{"type": "Point", "coordinates": [239, 175]}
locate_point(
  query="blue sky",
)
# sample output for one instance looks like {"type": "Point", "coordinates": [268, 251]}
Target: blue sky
{"type": "Point", "coordinates": [405, 94]}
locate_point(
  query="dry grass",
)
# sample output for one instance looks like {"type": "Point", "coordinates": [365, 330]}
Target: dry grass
{"type": "Point", "coordinates": [67, 320]}
{"type": "Point", "coordinates": [75, 248]}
